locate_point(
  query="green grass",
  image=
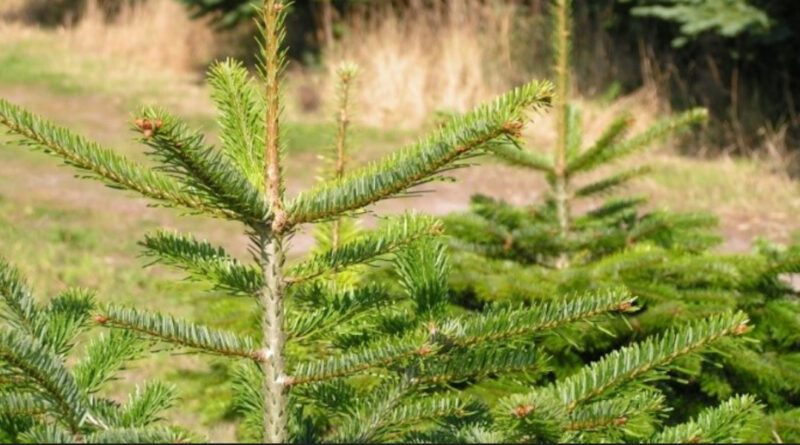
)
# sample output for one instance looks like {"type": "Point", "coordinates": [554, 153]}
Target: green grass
{"type": "Point", "coordinates": [27, 63]}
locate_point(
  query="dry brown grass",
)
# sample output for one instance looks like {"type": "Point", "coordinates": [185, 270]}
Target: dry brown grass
{"type": "Point", "coordinates": [154, 33]}
{"type": "Point", "coordinates": [8, 7]}
{"type": "Point", "coordinates": [421, 60]}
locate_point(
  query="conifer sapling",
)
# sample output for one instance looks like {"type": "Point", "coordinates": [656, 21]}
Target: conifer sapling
{"type": "Point", "coordinates": [370, 363]}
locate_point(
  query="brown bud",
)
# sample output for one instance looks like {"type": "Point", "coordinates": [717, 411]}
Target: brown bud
{"type": "Point", "coordinates": [509, 241]}
{"type": "Point", "coordinates": [741, 329]}
{"type": "Point", "coordinates": [522, 410]}
{"type": "Point", "coordinates": [625, 306]}
{"type": "Point", "coordinates": [425, 350]}
{"type": "Point", "coordinates": [278, 6]}
{"type": "Point", "coordinates": [514, 128]}
{"type": "Point", "coordinates": [158, 123]}
{"type": "Point", "coordinates": [139, 122]}
{"type": "Point", "coordinates": [619, 421]}
{"type": "Point", "coordinates": [147, 133]}
{"type": "Point", "coordinates": [100, 319]}
{"type": "Point", "coordinates": [432, 329]}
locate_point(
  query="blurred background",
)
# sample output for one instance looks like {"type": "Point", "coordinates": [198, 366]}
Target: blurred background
{"type": "Point", "coordinates": [89, 64]}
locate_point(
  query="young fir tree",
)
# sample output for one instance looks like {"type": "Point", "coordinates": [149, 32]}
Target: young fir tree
{"type": "Point", "coordinates": [330, 235]}
{"type": "Point", "coordinates": [45, 400]}
{"type": "Point", "coordinates": [539, 251]}
{"type": "Point", "coordinates": [370, 363]}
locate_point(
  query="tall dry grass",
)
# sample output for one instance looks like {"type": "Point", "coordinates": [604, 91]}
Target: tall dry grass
{"type": "Point", "coordinates": [420, 60]}
{"type": "Point", "coordinates": [152, 33]}
{"type": "Point", "coordinates": [8, 7]}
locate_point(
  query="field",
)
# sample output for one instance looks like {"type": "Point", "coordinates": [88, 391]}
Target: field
{"type": "Point", "coordinates": [63, 232]}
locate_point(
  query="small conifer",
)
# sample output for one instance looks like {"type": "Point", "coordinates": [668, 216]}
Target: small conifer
{"type": "Point", "coordinates": [370, 362]}
{"type": "Point", "coordinates": [535, 252]}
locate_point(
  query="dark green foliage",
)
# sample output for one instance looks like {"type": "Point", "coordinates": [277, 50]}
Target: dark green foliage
{"type": "Point", "coordinates": [751, 41]}
{"type": "Point", "coordinates": [533, 253]}
{"type": "Point", "coordinates": [228, 12]}
{"type": "Point", "coordinates": [673, 283]}
{"type": "Point", "coordinates": [44, 400]}
{"type": "Point", "coordinates": [713, 425]}
{"type": "Point", "coordinates": [534, 235]}
{"type": "Point", "coordinates": [727, 18]}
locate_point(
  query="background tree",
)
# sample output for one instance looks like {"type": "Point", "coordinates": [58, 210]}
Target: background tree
{"type": "Point", "coordinates": [747, 78]}
{"type": "Point", "coordinates": [546, 249]}
{"type": "Point", "coordinates": [726, 18]}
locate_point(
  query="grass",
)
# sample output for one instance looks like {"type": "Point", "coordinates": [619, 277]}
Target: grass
{"type": "Point", "coordinates": [26, 63]}
{"type": "Point", "coordinates": [66, 232]}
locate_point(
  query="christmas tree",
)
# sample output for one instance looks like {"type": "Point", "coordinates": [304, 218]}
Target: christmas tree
{"type": "Point", "coordinates": [535, 252]}
{"type": "Point", "coordinates": [372, 362]}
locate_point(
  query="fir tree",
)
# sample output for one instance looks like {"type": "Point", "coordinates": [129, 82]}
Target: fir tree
{"type": "Point", "coordinates": [374, 363]}
{"type": "Point", "coordinates": [330, 235]}
{"type": "Point", "coordinates": [551, 234]}
{"type": "Point", "coordinates": [546, 249]}
{"type": "Point", "coordinates": [45, 400]}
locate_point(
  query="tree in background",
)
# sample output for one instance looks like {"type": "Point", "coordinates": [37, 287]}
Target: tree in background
{"type": "Point", "coordinates": [726, 18]}
{"type": "Point", "coordinates": [539, 251]}
{"type": "Point", "coordinates": [371, 363]}
{"type": "Point", "coordinates": [43, 399]}
{"type": "Point", "coordinates": [733, 56]}
{"type": "Point", "coordinates": [230, 13]}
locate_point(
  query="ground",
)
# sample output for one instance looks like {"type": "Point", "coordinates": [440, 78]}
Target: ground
{"type": "Point", "coordinates": [62, 231]}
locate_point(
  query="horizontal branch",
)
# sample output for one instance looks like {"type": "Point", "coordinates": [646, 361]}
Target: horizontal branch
{"type": "Point", "coordinates": [18, 404]}
{"type": "Point", "coordinates": [179, 332]}
{"type": "Point", "coordinates": [611, 149]}
{"type": "Point", "coordinates": [628, 363]}
{"type": "Point", "coordinates": [373, 355]}
{"type": "Point", "coordinates": [612, 182]}
{"type": "Point", "coordinates": [421, 162]}
{"type": "Point", "coordinates": [115, 170]}
{"type": "Point", "coordinates": [733, 421]}
{"type": "Point", "coordinates": [139, 435]}
{"type": "Point", "coordinates": [203, 262]}
{"type": "Point", "coordinates": [517, 156]}
{"type": "Point", "coordinates": [396, 233]}
{"type": "Point", "coordinates": [511, 322]}
{"type": "Point", "coordinates": [471, 364]}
